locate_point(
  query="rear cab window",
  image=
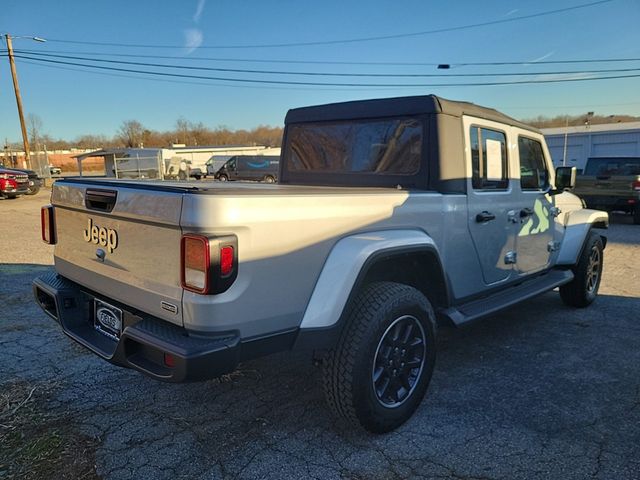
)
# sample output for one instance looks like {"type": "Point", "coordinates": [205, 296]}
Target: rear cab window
{"type": "Point", "coordinates": [377, 152]}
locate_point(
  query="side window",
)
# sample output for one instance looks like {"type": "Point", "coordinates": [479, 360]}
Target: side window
{"type": "Point", "coordinates": [533, 169]}
{"type": "Point", "coordinates": [488, 159]}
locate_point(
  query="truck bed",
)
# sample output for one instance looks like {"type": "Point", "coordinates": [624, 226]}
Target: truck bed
{"type": "Point", "coordinates": [284, 234]}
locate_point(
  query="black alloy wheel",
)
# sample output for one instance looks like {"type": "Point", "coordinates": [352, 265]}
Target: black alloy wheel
{"type": "Point", "coordinates": [398, 361]}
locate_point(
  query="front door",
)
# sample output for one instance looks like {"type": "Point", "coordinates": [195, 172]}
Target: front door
{"type": "Point", "coordinates": [536, 211]}
{"type": "Point", "coordinates": [490, 201]}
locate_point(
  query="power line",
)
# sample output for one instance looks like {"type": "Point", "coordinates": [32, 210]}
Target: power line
{"type": "Point", "coordinates": [350, 40]}
{"type": "Point", "coordinates": [187, 82]}
{"type": "Point", "coordinates": [287, 82]}
{"type": "Point", "coordinates": [335, 62]}
{"type": "Point", "coordinates": [210, 84]}
{"type": "Point", "coordinates": [333, 74]}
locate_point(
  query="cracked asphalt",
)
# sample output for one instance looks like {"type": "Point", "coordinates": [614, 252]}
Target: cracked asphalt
{"type": "Point", "coordinates": [539, 391]}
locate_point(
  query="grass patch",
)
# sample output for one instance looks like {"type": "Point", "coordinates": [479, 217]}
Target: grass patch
{"type": "Point", "coordinates": [38, 444]}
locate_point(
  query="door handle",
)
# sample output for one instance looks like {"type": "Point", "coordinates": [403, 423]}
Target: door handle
{"type": "Point", "coordinates": [485, 217]}
{"type": "Point", "coordinates": [526, 212]}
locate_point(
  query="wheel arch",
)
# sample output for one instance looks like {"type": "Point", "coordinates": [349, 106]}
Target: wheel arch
{"type": "Point", "coordinates": [396, 256]}
{"type": "Point", "coordinates": [578, 226]}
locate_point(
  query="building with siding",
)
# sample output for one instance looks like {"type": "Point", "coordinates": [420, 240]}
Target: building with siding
{"type": "Point", "coordinates": [586, 141]}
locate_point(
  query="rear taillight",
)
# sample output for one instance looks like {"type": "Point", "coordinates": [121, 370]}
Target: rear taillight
{"type": "Point", "coordinates": [636, 185]}
{"type": "Point", "coordinates": [48, 224]}
{"type": "Point", "coordinates": [196, 263]}
{"type": "Point", "coordinates": [209, 265]}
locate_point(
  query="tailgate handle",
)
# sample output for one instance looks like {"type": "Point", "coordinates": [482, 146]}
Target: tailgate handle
{"type": "Point", "coordinates": [100, 200]}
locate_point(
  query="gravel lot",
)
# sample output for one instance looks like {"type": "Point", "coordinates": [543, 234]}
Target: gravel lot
{"type": "Point", "coordinates": [539, 391]}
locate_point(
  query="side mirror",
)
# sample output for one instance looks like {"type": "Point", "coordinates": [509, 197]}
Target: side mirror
{"type": "Point", "coordinates": [565, 179]}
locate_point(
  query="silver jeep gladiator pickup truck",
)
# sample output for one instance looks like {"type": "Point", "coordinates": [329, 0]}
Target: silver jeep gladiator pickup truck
{"type": "Point", "coordinates": [390, 216]}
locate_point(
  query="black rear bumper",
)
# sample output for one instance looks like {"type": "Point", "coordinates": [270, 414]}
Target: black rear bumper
{"type": "Point", "coordinates": [155, 347]}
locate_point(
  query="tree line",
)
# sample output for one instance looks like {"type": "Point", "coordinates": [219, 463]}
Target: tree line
{"type": "Point", "coordinates": [133, 133]}
{"type": "Point", "coordinates": [578, 120]}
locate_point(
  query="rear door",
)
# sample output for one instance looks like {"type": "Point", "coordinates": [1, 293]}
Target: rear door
{"type": "Point", "coordinates": [490, 200]}
{"type": "Point", "coordinates": [121, 242]}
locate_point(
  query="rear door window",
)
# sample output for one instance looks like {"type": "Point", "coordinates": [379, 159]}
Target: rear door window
{"type": "Point", "coordinates": [488, 159]}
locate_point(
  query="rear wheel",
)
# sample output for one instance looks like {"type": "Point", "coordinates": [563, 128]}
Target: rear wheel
{"type": "Point", "coordinates": [269, 179]}
{"type": "Point", "coordinates": [636, 215]}
{"type": "Point", "coordinates": [380, 369]}
{"type": "Point", "coordinates": [583, 289]}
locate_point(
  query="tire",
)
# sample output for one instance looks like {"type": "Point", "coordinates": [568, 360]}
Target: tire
{"type": "Point", "coordinates": [269, 179]}
{"type": "Point", "coordinates": [223, 178]}
{"type": "Point", "coordinates": [583, 289]}
{"type": "Point", "coordinates": [357, 369]}
{"type": "Point", "coordinates": [636, 215]}
{"type": "Point", "coordinates": [11, 196]}
{"type": "Point", "coordinates": [33, 190]}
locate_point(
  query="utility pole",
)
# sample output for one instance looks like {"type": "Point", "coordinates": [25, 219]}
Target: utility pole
{"type": "Point", "coordinates": [16, 88]}
{"type": "Point", "coordinates": [566, 132]}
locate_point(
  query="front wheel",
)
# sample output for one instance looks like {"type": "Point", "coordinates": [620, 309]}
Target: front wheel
{"type": "Point", "coordinates": [223, 178]}
{"type": "Point", "coordinates": [583, 289]}
{"type": "Point", "coordinates": [269, 179]}
{"type": "Point", "coordinates": [380, 369]}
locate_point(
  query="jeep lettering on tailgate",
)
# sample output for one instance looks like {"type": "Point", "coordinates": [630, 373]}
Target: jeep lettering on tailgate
{"type": "Point", "coordinates": [107, 237]}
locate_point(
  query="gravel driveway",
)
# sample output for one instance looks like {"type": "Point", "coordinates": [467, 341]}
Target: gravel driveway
{"type": "Point", "coordinates": [539, 391]}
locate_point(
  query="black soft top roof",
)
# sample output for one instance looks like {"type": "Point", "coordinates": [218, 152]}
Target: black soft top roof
{"type": "Point", "coordinates": [398, 106]}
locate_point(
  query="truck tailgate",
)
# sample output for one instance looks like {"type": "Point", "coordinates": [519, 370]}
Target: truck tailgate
{"type": "Point", "coordinates": [138, 240]}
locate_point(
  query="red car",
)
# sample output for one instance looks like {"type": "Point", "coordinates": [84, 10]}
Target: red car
{"type": "Point", "coordinates": [13, 183]}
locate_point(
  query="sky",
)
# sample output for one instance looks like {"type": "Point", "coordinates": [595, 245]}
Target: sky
{"type": "Point", "coordinates": [75, 100]}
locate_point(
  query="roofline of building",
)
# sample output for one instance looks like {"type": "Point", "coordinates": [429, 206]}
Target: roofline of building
{"type": "Point", "coordinates": [585, 129]}
{"type": "Point", "coordinates": [213, 148]}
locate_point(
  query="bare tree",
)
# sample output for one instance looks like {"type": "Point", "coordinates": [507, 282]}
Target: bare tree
{"type": "Point", "coordinates": [183, 128]}
{"type": "Point", "coordinates": [91, 141]}
{"type": "Point", "coordinates": [34, 129]}
{"type": "Point", "coordinates": [131, 133]}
